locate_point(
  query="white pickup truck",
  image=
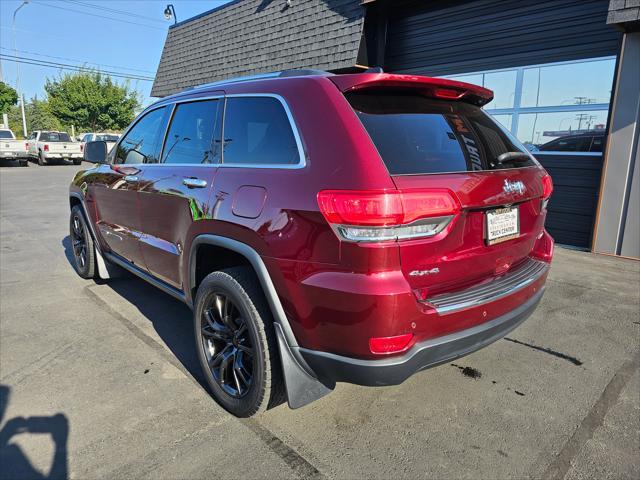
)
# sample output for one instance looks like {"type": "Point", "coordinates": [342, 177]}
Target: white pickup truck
{"type": "Point", "coordinates": [12, 149]}
{"type": "Point", "coordinates": [48, 145]}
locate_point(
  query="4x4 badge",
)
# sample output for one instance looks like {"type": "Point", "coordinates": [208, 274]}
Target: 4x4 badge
{"type": "Point", "coordinates": [422, 273]}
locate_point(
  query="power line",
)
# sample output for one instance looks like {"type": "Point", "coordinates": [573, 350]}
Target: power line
{"type": "Point", "coordinates": [76, 68]}
{"type": "Point", "coordinates": [100, 16]}
{"type": "Point", "coordinates": [76, 60]}
{"type": "Point", "coordinates": [113, 10]}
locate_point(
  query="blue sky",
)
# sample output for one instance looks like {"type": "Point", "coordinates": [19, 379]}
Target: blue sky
{"type": "Point", "coordinates": [89, 32]}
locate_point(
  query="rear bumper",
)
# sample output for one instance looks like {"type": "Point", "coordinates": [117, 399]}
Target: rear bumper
{"type": "Point", "coordinates": [62, 155]}
{"type": "Point", "coordinates": [14, 155]}
{"type": "Point", "coordinates": [331, 368]}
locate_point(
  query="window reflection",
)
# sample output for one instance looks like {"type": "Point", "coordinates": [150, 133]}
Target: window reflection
{"type": "Point", "coordinates": [540, 128]}
{"type": "Point", "coordinates": [542, 103]}
{"type": "Point", "coordinates": [578, 83]}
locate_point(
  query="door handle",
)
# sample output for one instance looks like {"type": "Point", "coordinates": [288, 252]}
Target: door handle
{"type": "Point", "coordinates": [131, 178]}
{"type": "Point", "coordinates": [194, 182]}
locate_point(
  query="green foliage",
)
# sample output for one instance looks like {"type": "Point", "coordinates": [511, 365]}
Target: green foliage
{"type": "Point", "coordinates": [8, 97]}
{"type": "Point", "coordinates": [91, 101]}
{"type": "Point", "coordinates": [38, 115]}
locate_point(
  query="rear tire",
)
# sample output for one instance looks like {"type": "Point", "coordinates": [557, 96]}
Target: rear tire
{"type": "Point", "coordinates": [231, 319]}
{"type": "Point", "coordinates": [41, 160]}
{"type": "Point", "coordinates": [24, 163]}
{"type": "Point", "coordinates": [77, 161]}
{"type": "Point", "coordinates": [82, 246]}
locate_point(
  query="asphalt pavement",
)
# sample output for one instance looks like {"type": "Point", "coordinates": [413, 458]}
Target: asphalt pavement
{"type": "Point", "coordinates": [101, 380]}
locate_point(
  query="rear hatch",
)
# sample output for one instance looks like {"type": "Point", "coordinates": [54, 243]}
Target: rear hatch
{"type": "Point", "coordinates": [432, 135]}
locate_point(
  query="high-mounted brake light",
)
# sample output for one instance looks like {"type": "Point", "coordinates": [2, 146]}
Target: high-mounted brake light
{"type": "Point", "coordinates": [377, 216]}
{"type": "Point", "coordinates": [448, 93]}
{"type": "Point", "coordinates": [387, 345]}
{"type": "Point", "coordinates": [46, 147]}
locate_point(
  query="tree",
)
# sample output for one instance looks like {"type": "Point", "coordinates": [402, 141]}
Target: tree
{"type": "Point", "coordinates": [8, 97]}
{"type": "Point", "coordinates": [91, 101]}
{"type": "Point", "coordinates": [38, 115]}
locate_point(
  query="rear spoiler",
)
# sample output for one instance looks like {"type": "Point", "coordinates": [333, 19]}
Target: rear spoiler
{"type": "Point", "coordinates": [428, 86]}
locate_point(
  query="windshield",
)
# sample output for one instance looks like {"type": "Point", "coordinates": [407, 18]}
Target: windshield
{"type": "Point", "coordinates": [107, 138]}
{"type": "Point", "coordinates": [54, 137]}
{"type": "Point", "coordinates": [418, 135]}
{"type": "Point", "coordinates": [6, 134]}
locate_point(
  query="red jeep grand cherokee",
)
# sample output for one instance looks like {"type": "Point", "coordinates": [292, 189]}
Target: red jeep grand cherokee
{"type": "Point", "coordinates": [324, 228]}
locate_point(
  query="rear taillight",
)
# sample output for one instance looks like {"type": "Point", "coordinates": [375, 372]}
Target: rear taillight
{"type": "Point", "coordinates": [387, 345]}
{"type": "Point", "coordinates": [26, 146]}
{"type": "Point", "coordinates": [547, 186]}
{"type": "Point", "coordinates": [46, 147]}
{"type": "Point", "coordinates": [81, 147]}
{"type": "Point", "coordinates": [380, 216]}
{"type": "Point", "coordinates": [547, 190]}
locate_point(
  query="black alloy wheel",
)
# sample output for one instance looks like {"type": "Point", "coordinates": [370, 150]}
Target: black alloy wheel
{"type": "Point", "coordinates": [236, 342]}
{"type": "Point", "coordinates": [82, 245]}
{"type": "Point", "coordinates": [227, 345]}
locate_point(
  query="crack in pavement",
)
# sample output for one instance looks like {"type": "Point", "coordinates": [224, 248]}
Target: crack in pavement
{"type": "Point", "coordinates": [594, 419]}
{"type": "Point", "coordinates": [293, 459]}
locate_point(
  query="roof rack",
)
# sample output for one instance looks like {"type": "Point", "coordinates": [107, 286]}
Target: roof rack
{"type": "Point", "coordinates": [281, 74]}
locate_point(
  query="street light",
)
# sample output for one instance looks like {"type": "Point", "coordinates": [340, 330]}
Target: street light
{"type": "Point", "coordinates": [15, 54]}
{"type": "Point", "coordinates": [170, 13]}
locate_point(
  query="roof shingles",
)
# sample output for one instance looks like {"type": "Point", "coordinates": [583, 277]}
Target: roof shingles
{"type": "Point", "coordinates": [256, 36]}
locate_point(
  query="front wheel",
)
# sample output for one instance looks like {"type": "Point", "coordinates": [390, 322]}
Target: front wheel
{"type": "Point", "coordinates": [83, 249]}
{"type": "Point", "coordinates": [236, 342]}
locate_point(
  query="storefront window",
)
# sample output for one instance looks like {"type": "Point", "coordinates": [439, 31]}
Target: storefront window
{"type": "Point", "coordinates": [540, 128]}
{"type": "Point", "coordinates": [543, 103]}
{"type": "Point", "coordinates": [575, 83]}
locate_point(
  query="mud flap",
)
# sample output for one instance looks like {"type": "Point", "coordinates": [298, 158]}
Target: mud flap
{"type": "Point", "coordinates": [302, 388]}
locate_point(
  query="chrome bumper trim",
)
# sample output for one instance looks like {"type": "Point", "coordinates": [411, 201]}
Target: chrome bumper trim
{"type": "Point", "coordinates": [512, 281]}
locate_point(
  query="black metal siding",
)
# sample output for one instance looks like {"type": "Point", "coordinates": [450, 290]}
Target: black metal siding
{"type": "Point", "coordinates": [454, 36]}
{"type": "Point", "coordinates": [572, 209]}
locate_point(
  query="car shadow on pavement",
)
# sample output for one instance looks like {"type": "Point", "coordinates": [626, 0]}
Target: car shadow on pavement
{"type": "Point", "coordinates": [14, 463]}
{"type": "Point", "coordinates": [170, 318]}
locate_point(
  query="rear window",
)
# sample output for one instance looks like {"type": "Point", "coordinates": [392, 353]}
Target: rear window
{"type": "Point", "coordinates": [54, 137]}
{"type": "Point", "coordinates": [418, 135]}
{"type": "Point", "coordinates": [5, 134]}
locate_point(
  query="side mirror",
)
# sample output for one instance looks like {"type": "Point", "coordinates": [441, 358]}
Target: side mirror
{"type": "Point", "coordinates": [95, 152]}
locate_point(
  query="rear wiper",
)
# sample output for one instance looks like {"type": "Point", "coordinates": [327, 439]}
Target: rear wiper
{"type": "Point", "coordinates": [507, 157]}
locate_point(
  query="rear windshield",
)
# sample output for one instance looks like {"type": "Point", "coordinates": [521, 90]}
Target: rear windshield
{"type": "Point", "coordinates": [54, 137]}
{"type": "Point", "coordinates": [5, 134]}
{"type": "Point", "coordinates": [417, 135]}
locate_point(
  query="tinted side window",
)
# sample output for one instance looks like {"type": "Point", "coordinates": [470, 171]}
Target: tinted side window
{"type": "Point", "coordinates": [257, 131]}
{"type": "Point", "coordinates": [191, 135]}
{"type": "Point", "coordinates": [140, 143]}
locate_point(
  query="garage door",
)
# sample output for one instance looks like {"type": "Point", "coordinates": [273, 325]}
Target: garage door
{"type": "Point", "coordinates": [446, 37]}
{"type": "Point", "coordinates": [576, 184]}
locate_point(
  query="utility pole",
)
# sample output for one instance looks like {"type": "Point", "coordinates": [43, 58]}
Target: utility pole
{"type": "Point", "coordinates": [15, 53]}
